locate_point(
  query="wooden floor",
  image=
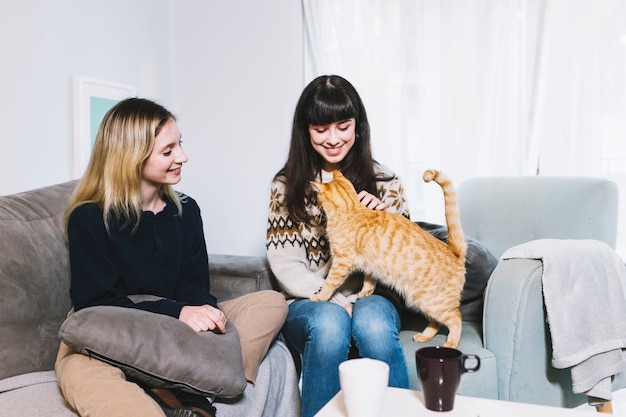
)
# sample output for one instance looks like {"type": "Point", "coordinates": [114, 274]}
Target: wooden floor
{"type": "Point", "coordinates": [618, 404]}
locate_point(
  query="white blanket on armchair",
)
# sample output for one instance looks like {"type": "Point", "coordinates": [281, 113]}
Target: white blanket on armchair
{"type": "Point", "coordinates": [584, 290]}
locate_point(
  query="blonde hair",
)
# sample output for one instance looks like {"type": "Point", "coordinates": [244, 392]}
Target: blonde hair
{"type": "Point", "coordinates": [112, 179]}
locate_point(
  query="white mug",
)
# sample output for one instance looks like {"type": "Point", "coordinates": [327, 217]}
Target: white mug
{"type": "Point", "coordinates": [363, 385]}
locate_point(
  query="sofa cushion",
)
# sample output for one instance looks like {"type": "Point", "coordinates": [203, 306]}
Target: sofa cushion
{"type": "Point", "coordinates": [235, 275]}
{"type": "Point", "coordinates": [34, 278]}
{"type": "Point", "coordinates": [158, 350]}
{"type": "Point", "coordinates": [33, 394]}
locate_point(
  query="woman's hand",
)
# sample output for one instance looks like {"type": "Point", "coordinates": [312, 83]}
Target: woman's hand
{"type": "Point", "coordinates": [204, 318]}
{"type": "Point", "coordinates": [348, 307]}
{"type": "Point", "coordinates": [371, 201]}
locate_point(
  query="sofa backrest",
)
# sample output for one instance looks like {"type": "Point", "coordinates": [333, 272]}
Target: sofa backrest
{"type": "Point", "coordinates": [34, 278]}
{"type": "Point", "coordinates": [502, 212]}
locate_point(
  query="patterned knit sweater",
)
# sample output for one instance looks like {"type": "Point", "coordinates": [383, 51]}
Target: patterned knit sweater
{"type": "Point", "coordinates": [299, 254]}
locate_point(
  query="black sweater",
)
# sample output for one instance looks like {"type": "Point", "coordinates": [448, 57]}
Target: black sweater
{"type": "Point", "coordinates": [166, 256]}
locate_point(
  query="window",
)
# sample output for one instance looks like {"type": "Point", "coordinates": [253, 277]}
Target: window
{"type": "Point", "coordinates": [482, 88]}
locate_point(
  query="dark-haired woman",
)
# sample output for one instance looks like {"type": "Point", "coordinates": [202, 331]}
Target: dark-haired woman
{"type": "Point", "coordinates": [330, 131]}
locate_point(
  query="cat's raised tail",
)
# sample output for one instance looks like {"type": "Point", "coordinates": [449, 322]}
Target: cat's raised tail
{"type": "Point", "coordinates": [456, 238]}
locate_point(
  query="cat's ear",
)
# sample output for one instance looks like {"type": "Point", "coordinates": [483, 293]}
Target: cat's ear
{"type": "Point", "coordinates": [337, 174]}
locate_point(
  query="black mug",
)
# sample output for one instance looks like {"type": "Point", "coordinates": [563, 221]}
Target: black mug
{"type": "Point", "coordinates": [439, 370]}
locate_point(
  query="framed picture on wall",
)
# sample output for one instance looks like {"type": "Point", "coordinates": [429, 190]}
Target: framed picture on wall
{"type": "Point", "coordinates": [92, 99]}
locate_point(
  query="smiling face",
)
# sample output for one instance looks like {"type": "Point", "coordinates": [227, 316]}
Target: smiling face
{"type": "Point", "coordinates": [333, 141]}
{"type": "Point", "coordinates": [163, 166]}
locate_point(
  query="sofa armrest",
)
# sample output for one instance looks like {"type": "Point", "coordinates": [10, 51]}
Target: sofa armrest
{"type": "Point", "coordinates": [236, 275]}
{"type": "Point", "coordinates": [515, 330]}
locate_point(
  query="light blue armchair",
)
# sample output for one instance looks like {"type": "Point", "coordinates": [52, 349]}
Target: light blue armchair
{"type": "Point", "coordinates": [513, 340]}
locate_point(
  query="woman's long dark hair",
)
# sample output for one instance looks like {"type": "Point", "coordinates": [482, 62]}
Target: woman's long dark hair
{"type": "Point", "coordinates": [327, 99]}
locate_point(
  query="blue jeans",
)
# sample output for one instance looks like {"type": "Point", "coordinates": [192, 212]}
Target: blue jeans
{"type": "Point", "coordinates": [323, 333]}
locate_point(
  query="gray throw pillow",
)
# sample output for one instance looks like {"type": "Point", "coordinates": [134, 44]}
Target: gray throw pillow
{"type": "Point", "coordinates": [159, 351]}
{"type": "Point", "coordinates": [479, 264]}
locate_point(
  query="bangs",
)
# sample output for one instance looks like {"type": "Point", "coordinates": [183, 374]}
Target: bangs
{"type": "Point", "coordinates": [330, 106]}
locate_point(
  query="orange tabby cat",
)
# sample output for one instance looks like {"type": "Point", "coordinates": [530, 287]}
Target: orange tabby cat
{"type": "Point", "coordinates": [392, 249]}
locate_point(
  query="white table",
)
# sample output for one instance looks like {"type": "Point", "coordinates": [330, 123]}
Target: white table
{"type": "Point", "coordinates": [409, 403]}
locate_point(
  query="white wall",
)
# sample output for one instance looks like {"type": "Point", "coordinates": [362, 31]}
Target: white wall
{"type": "Point", "coordinates": [231, 71]}
{"type": "Point", "coordinates": [238, 71]}
{"type": "Point", "coordinates": [43, 44]}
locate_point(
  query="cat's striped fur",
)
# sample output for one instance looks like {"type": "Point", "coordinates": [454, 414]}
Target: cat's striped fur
{"type": "Point", "coordinates": [392, 249]}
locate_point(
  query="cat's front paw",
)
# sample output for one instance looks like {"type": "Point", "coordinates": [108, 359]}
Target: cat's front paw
{"type": "Point", "coordinates": [369, 285]}
{"type": "Point", "coordinates": [316, 297]}
{"type": "Point", "coordinates": [365, 293]}
{"type": "Point", "coordinates": [321, 296]}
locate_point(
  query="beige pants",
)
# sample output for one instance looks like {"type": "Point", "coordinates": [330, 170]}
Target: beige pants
{"type": "Point", "coordinates": [97, 389]}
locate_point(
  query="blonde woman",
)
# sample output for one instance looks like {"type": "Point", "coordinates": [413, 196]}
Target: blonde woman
{"type": "Point", "coordinates": [130, 233]}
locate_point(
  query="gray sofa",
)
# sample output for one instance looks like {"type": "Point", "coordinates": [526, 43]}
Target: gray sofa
{"type": "Point", "coordinates": [34, 298]}
{"type": "Point", "coordinates": [512, 339]}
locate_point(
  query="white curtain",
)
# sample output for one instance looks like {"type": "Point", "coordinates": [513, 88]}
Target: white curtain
{"type": "Point", "coordinates": [481, 87]}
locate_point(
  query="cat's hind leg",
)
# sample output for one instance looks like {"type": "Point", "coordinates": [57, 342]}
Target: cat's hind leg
{"type": "Point", "coordinates": [454, 325]}
{"type": "Point", "coordinates": [369, 285]}
{"type": "Point", "coordinates": [428, 333]}
{"type": "Point", "coordinates": [452, 319]}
